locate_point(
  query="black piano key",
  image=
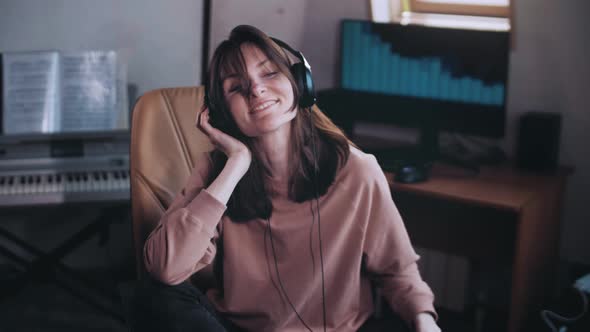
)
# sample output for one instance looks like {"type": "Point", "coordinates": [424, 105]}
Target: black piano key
{"type": "Point", "coordinates": [2, 180]}
{"type": "Point", "coordinates": [10, 180]}
{"type": "Point", "coordinates": [23, 179]}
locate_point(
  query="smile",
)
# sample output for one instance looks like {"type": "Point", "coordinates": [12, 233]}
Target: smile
{"type": "Point", "coordinates": [262, 106]}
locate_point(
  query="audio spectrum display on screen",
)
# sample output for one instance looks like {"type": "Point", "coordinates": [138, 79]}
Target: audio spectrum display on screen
{"type": "Point", "coordinates": [412, 61]}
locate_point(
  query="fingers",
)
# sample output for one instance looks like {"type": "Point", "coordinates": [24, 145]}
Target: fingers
{"type": "Point", "coordinates": [198, 117]}
{"type": "Point", "coordinates": [203, 121]}
{"type": "Point", "coordinates": [218, 138]}
{"type": "Point", "coordinates": [206, 127]}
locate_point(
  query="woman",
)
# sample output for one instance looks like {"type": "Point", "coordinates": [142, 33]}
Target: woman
{"type": "Point", "coordinates": [297, 222]}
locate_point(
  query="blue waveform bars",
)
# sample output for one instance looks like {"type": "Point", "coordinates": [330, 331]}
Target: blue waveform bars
{"type": "Point", "coordinates": [369, 64]}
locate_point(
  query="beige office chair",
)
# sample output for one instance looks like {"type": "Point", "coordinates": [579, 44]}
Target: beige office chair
{"type": "Point", "coordinates": [164, 145]}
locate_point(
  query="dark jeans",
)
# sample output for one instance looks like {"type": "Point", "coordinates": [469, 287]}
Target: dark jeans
{"type": "Point", "coordinates": [158, 307]}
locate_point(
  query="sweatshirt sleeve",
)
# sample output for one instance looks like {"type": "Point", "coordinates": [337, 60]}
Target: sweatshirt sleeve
{"type": "Point", "coordinates": [389, 255]}
{"type": "Point", "coordinates": [184, 241]}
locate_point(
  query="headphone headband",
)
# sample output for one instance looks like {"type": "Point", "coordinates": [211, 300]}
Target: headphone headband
{"type": "Point", "coordinates": [296, 53]}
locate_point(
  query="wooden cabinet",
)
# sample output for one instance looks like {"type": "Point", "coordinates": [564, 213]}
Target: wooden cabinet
{"type": "Point", "coordinates": [499, 214]}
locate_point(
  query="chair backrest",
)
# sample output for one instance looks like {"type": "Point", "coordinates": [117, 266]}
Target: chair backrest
{"type": "Point", "coordinates": [164, 148]}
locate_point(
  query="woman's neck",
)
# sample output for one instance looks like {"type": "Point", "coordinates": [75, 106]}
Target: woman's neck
{"type": "Point", "coordinates": [275, 149]}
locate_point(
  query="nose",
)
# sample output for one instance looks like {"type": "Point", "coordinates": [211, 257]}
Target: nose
{"type": "Point", "coordinates": [257, 88]}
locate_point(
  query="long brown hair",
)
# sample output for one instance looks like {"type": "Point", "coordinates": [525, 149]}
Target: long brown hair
{"type": "Point", "coordinates": [310, 166]}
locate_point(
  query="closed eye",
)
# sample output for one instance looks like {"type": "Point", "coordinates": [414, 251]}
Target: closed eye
{"type": "Point", "coordinates": [271, 74]}
{"type": "Point", "coordinates": [235, 88]}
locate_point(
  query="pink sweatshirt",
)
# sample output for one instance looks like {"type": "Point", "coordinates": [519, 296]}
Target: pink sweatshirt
{"type": "Point", "coordinates": [363, 239]}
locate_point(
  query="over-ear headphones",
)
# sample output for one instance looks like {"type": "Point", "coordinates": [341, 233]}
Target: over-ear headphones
{"type": "Point", "coordinates": [301, 71]}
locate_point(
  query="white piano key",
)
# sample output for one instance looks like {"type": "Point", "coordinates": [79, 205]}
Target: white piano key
{"type": "Point", "coordinates": [15, 189]}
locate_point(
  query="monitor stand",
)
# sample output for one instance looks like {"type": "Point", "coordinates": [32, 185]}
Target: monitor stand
{"type": "Point", "coordinates": [412, 163]}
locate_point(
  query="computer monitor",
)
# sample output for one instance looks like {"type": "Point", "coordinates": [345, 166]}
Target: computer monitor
{"type": "Point", "coordinates": [430, 78]}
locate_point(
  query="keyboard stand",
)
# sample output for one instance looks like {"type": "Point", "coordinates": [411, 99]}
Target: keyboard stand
{"type": "Point", "coordinates": [47, 266]}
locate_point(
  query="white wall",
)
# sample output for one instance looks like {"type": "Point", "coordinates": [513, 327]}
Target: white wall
{"type": "Point", "coordinates": [160, 39]}
{"type": "Point", "coordinates": [322, 36]}
{"type": "Point", "coordinates": [549, 71]}
{"type": "Point", "coordinates": [281, 19]}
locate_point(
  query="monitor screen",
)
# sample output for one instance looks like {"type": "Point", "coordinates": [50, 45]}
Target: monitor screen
{"type": "Point", "coordinates": [416, 76]}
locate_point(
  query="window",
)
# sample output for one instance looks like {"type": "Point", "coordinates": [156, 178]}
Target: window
{"type": "Point", "coordinates": [468, 14]}
{"type": "Point", "coordinates": [462, 14]}
{"type": "Point", "coordinates": [494, 8]}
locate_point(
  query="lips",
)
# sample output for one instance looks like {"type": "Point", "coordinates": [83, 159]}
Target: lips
{"type": "Point", "coordinates": [261, 106]}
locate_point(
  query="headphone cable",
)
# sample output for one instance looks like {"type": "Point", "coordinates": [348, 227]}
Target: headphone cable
{"type": "Point", "coordinates": [279, 277]}
{"type": "Point", "coordinates": [315, 182]}
{"type": "Point", "coordinates": [316, 199]}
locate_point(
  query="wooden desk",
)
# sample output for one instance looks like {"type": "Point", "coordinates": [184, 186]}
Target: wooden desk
{"type": "Point", "coordinates": [499, 214]}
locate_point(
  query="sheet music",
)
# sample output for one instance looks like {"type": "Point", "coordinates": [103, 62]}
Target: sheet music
{"type": "Point", "coordinates": [89, 91]}
{"type": "Point", "coordinates": [30, 96]}
{"type": "Point", "coordinates": [52, 92]}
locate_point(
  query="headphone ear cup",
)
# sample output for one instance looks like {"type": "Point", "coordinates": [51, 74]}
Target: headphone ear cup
{"type": "Point", "coordinates": [302, 76]}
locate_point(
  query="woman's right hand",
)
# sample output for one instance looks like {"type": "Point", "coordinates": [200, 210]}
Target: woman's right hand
{"type": "Point", "coordinates": [237, 152]}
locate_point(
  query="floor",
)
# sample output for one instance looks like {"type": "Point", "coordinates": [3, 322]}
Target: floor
{"type": "Point", "coordinates": [47, 306]}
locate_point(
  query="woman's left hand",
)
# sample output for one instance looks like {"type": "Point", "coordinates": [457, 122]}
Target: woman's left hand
{"type": "Point", "coordinates": [424, 322]}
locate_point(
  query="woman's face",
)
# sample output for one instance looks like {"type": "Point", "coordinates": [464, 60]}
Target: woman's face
{"type": "Point", "coordinates": [264, 105]}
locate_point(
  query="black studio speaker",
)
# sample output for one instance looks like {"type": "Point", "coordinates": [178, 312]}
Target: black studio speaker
{"type": "Point", "coordinates": [538, 141]}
